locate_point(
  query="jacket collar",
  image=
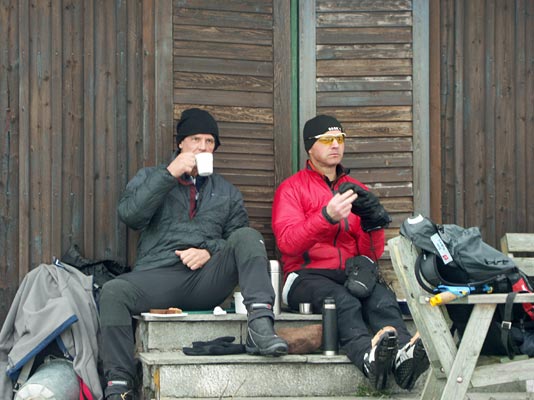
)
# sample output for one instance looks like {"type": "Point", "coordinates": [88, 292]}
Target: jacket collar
{"type": "Point", "coordinates": [340, 173]}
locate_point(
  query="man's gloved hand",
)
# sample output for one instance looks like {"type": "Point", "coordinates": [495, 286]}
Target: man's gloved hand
{"type": "Point", "coordinates": [362, 275]}
{"type": "Point", "coordinates": [217, 347]}
{"type": "Point", "coordinates": [367, 206]}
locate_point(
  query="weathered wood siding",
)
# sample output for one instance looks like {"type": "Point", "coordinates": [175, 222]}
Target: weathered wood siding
{"type": "Point", "coordinates": [363, 60]}
{"type": "Point", "coordinates": [233, 59]}
{"type": "Point", "coordinates": [85, 101]}
{"type": "Point", "coordinates": [356, 64]}
{"type": "Point", "coordinates": [487, 115]}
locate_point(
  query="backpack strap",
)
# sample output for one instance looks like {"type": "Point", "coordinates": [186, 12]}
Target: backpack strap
{"type": "Point", "coordinates": [506, 327]}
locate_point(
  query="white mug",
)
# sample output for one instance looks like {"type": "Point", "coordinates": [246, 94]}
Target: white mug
{"type": "Point", "coordinates": [204, 163]}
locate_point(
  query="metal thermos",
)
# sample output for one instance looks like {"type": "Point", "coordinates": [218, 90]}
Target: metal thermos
{"type": "Point", "coordinates": [275, 280]}
{"type": "Point", "coordinates": [330, 343]}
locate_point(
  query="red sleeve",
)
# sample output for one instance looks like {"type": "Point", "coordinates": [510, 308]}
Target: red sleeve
{"type": "Point", "coordinates": [296, 232]}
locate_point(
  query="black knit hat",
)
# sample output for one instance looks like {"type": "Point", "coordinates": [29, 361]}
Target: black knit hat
{"type": "Point", "coordinates": [317, 126]}
{"type": "Point", "coordinates": [194, 121]}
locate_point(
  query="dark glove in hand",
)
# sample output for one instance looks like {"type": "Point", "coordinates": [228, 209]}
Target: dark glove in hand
{"type": "Point", "coordinates": [362, 275]}
{"type": "Point", "coordinates": [372, 214]}
{"type": "Point", "coordinates": [217, 347]}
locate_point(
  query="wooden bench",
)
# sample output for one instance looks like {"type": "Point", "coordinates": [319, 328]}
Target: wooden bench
{"type": "Point", "coordinates": [454, 368]}
{"type": "Point", "coordinates": [522, 244]}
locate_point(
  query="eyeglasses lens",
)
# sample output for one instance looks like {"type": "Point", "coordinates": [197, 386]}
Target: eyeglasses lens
{"type": "Point", "coordinates": [330, 139]}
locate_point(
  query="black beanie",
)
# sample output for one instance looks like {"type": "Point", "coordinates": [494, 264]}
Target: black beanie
{"type": "Point", "coordinates": [317, 126]}
{"type": "Point", "coordinates": [195, 120]}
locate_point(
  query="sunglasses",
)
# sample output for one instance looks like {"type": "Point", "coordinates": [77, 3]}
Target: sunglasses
{"type": "Point", "coordinates": [329, 139]}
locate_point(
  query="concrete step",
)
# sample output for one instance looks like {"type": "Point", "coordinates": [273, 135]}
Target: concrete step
{"type": "Point", "coordinates": [396, 397]}
{"type": "Point", "coordinates": [174, 375]}
{"type": "Point", "coordinates": [173, 332]}
{"type": "Point", "coordinates": [169, 374]}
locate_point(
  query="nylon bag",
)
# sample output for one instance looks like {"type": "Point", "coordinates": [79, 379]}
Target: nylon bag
{"type": "Point", "coordinates": [455, 256]}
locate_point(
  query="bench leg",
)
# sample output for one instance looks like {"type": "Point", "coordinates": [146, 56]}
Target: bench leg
{"type": "Point", "coordinates": [433, 387]}
{"type": "Point", "coordinates": [468, 352]}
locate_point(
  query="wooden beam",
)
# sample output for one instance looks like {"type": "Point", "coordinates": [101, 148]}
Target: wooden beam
{"type": "Point", "coordinates": [307, 69]}
{"type": "Point", "coordinates": [421, 143]}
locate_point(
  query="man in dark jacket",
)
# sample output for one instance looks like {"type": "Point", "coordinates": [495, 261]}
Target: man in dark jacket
{"type": "Point", "coordinates": [195, 247]}
{"type": "Point", "coordinates": [330, 230]}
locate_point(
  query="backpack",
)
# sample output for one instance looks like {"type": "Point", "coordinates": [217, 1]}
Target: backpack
{"type": "Point", "coordinates": [452, 257]}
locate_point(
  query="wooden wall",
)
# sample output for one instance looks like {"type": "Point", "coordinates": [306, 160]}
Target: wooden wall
{"type": "Point", "coordinates": [90, 91]}
{"type": "Point", "coordinates": [85, 101]}
{"type": "Point", "coordinates": [362, 57]}
{"type": "Point", "coordinates": [487, 115]}
{"type": "Point", "coordinates": [356, 63]}
{"type": "Point", "coordinates": [233, 59]}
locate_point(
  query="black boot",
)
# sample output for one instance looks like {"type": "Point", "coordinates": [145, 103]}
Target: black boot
{"type": "Point", "coordinates": [119, 390]}
{"type": "Point", "coordinates": [261, 338]}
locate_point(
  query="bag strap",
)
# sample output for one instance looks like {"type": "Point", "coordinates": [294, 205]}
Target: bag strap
{"type": "Point", "coordinates": [417, 270]}
{"type": "Point", "coordinates": [506, 327]}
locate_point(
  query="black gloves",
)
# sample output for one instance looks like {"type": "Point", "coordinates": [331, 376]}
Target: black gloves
{"type": "Point", "coordinates": [372, 214]}
{"type": "Point", "coordinates": [216, 347]}
{"type": "Point", "coordinates": [362, 275]}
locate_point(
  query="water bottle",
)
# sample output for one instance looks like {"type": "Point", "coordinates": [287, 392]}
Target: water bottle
{"type": "Point", "coordinates": [275, 280]}
{"type": "Point", "coordinates": [330, 343]}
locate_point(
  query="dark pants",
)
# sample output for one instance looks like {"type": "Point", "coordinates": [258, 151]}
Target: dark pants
{"type": "Point", "coordinates": [243, 261]}
{"type": "Point", "coordinates": [357, 319]}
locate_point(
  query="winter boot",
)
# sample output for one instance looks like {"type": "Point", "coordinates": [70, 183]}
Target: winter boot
{"type": "Point", "coordinates": [119, 390]}
{"type": "Point", "coordinates": [378, 362]}
{"type": "Point", "coordinates": [411, 361]}
{"type": "Point", "coordinates": [261, 337]}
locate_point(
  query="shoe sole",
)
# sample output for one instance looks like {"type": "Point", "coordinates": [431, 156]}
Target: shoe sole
{"type": "Point", "coordinates": [276, 350]}
{"type": "Point", "coordinates": [419, 364]}
{"type": "Point", "coordinates": [384, 356]}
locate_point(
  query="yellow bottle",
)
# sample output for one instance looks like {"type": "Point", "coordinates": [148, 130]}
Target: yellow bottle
{"type": "Point", "coordinates": [442, 298]}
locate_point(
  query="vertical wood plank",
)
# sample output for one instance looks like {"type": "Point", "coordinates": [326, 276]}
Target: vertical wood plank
{"type": "Point", "coordinates": [24, 141]}
{"type": "Point", "coordinates": [106, 129]}
{"type": "Point", "coordinates": [135, 107]}
{"type": "Point", "coordinates": [282, 90]}
{"type": "Point", "coordinates": [307, 69]}
{"type": "Point", "coordinates": [56, 222]}
{"type": "Point", "coordinates": [121, 134]}
{"type": "Point", "coordinates": [73, 151]}
{"type": "Point", "coordinates": [9, 153]}
{"type": "Point", "coordinates": [520, 110]}
{"type": "Point", "coordinates": [149, 145]}
{"type": "Point", "coordinates": [163, 93]}
{"type": "Point", "coordinates": [505, 137]}
{"type": "Point", "coordinates": [459, 112]}
{"type": "Point", "coordinates": [474, 137]}
{"type": "Point", "coordinates": [447, 104]}
{"type": "Point", "coordinates": [40, 124]}
{"type": "Point", "coordinates": [421, 128]}
{"type": "Point", "coordinates": [89, 101]}
{"type": "Point", "coordinates": [435, 112]}
{"type": "Point", "coordinates": [489, 122]}
{"type": "Point", "coordinates": [529, 100]}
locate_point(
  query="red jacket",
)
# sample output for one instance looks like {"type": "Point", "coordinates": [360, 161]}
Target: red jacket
{"type": "Point", "coordinates": [305, 237]}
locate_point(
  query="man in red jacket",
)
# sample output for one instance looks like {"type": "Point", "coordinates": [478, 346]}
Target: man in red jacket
{"type": "Point", "coordinates": [330, 230]}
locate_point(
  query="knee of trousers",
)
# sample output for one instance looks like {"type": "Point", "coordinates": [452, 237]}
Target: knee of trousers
{"type": "Point", "coordinates": [247, 243]}
{"type": "Point", "coordinates": [116, 299]}
{"type": "Point", "coordinates": [350, 319]}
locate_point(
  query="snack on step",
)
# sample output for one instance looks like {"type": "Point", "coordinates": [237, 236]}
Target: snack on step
{"type": "Point", "coordinates": [170, 310]}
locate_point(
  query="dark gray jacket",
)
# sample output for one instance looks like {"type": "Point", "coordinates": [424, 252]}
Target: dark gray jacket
{"type": "Point", "coordinates": [163, 208]}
